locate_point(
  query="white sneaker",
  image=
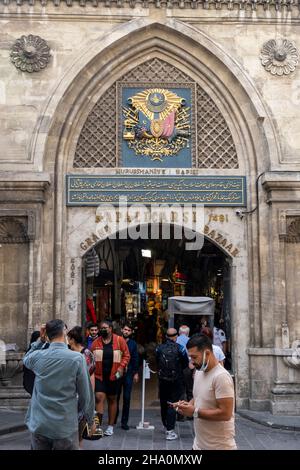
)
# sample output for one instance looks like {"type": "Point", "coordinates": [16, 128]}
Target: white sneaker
{"type": "Point", "coordinates": [171, 435]}
{"type": "Point", "coordinates": [109, 431]}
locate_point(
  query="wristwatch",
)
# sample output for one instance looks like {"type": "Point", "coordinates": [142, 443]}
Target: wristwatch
{"type": "Point", "coordinates": [195, 414]}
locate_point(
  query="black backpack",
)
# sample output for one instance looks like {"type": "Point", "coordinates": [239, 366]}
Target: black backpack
{"type": "Point", "coordinates": [28, 380]}
{"type": "Point", "coordinates": [29, 375]}
{"type": "Point", "coordinates": [169, 364]}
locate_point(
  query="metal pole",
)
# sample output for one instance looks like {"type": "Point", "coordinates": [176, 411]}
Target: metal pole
{"type": "Point", "coordinates": [143, 393]}
{"type": "Point", "coordinates": [142, 424]}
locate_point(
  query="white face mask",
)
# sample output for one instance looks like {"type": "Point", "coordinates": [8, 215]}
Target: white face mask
{"type": "Point", "coordinates": [204, 364]}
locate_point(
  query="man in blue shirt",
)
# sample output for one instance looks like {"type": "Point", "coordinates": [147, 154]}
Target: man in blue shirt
{"type": "Point", "coordinates": [188, 372]}
{"type": "Point", "coordinates": [62, 388]}
{"type": "Point", "coordinates": [129, 377]}
{"type": "Point", "coordinates": [183, 337]}
{"type": "Point", "coordinates": [93, 331]}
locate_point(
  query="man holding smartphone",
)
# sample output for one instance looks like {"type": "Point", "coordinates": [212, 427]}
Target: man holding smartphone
{"type": "Point", "coordinates": [212, 406]}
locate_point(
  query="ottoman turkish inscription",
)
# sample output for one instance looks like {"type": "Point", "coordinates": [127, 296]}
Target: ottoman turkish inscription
{"type": "Point", "coordinates": [207, 190]}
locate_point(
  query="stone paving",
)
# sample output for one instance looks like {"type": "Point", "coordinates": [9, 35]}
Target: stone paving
{"type": "Point", "coordinates": [249, 436]}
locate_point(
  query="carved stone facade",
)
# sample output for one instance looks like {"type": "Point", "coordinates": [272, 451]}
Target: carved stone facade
{"type": "Point", "coordinates": [64, 120]}
{"type": "Point", "coordinates": [252, 5]}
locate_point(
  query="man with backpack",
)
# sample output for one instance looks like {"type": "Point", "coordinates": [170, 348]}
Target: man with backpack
{"type": "Point", "coordinates": [171, 359]}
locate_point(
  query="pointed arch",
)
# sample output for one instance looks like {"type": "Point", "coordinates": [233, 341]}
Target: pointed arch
{"type": "Point", "coordinates": [107, 59]}
{"type": "Point", "coordinates": [111, 56]}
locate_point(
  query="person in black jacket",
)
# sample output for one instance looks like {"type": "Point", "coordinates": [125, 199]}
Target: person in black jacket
{"type": "Point", "coordinates": [171, 359]}
{"type": "Point", "coordinates": [131, 376]}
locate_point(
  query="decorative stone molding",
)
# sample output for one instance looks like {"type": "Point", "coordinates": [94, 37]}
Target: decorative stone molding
{"type": "Point", "coordinates": [277, 5]}
{"type": "Point", "coordinates": [279, 57]}
{"type": "Point", "coordinates": [285, 335]}
{"type": "Point", "coordinates": [12, 230]}
{"type": "Point", "coordinates": [13, 366]}
{"type": "Point", "coordinates": [30, 53]}
{"type": "Point", "coordinates": [293, 230]}
{"type": "Point", "coordinates": [289, 226]}
{"type": "Point", "coordinates": [290, 356]}
{"type": "Point", "coordinates": [32, 190]}
{"type": "Point", "coordinates": [283, 187]}
{"type": "Point", "coordinates": [26, 217]}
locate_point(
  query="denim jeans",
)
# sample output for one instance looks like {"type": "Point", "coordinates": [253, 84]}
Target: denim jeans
{"type": "Point", "coordinates": [39, 442]}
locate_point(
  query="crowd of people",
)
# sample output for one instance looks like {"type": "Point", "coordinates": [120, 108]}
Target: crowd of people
{"type": "Point", "coordinates": [70, 375]}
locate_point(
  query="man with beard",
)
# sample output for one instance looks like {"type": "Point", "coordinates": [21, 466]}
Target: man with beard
{"type": "Point", "coordinates": [93, 333]}
{"type": "Point", "coordinates": [213, 404]}
{"type": "Point", "coordinates": [129, 377]}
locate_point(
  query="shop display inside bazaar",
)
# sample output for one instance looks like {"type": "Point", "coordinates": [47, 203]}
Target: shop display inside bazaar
{"type": "Point", "coordinates": [133, 279]}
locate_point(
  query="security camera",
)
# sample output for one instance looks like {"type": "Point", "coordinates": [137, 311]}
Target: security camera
{"type": "Point", "coordinates": [239, 213]}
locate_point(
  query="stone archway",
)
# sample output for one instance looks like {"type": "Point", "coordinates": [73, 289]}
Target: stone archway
{"type": "Point", "coordinates": [225, 82]}
{"type": "Point", "coordinates": [251, 134]}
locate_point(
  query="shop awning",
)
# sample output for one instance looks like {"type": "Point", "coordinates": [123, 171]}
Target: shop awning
{"type": "Point", "coordinates": [189, 306]}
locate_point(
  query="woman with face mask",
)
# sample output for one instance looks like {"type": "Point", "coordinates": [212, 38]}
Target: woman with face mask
{"type": "Point", "coordinates": [75, 342]}
{"type": "Point", "coordinates": [112, 357]}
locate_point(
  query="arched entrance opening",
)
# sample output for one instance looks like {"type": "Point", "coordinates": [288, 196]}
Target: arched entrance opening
{"type": "Point", "coordinates": [131, 280]}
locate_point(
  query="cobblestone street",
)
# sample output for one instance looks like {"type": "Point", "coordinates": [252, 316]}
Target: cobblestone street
{"type": "Point", "coordinates": [249, 436]}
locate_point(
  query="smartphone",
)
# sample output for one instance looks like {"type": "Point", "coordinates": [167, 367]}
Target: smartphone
{"type": "Point", "coordinates": [170, 403]}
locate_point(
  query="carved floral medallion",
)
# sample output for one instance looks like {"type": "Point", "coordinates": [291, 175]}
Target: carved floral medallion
{"type": "Point", "coordinates": [30, 53]}
{"type": "Point", "coordinates": [279, 57]}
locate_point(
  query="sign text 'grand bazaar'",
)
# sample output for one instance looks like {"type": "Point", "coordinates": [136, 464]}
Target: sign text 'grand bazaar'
{"type": "Point", "coordinates": [206, 190]}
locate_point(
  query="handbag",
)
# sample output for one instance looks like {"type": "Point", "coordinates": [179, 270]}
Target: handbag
{"type": "Point", "coordinates": [91, 437]}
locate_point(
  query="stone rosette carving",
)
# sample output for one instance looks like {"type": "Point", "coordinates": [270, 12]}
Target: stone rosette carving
{"type": "Point", "coordinates": [30, 53]}
{"type": "Point", "coordinates": [279, 57]}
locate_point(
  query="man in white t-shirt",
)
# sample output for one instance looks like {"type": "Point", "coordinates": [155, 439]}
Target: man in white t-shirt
{"type": "Point", "coordinates": [213, 404]}
{"type": "Point", "coordinates": [220, 338]}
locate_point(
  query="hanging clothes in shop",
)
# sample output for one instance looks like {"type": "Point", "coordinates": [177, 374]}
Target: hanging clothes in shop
{"type": "Point", "coordinates": [90, 311]}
